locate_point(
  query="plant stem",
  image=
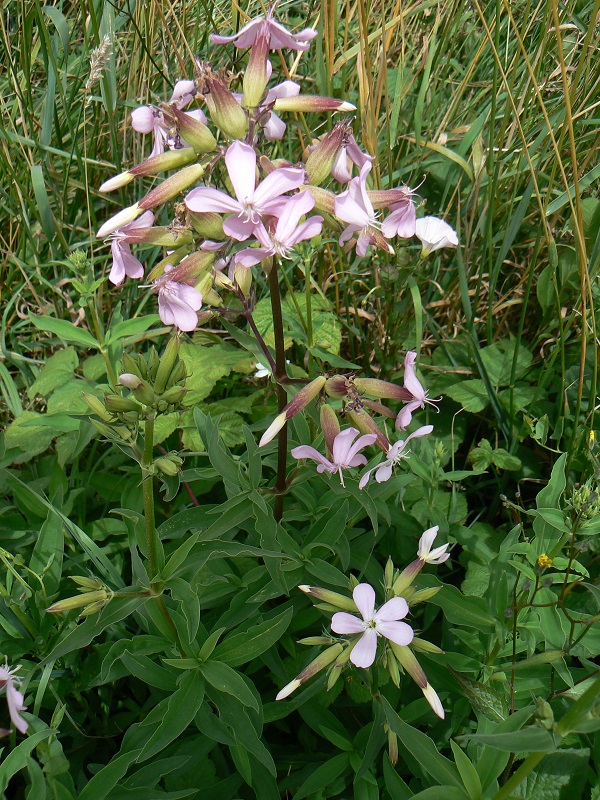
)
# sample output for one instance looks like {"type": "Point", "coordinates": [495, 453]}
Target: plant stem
{"type": "Point", "coordinates": [280, 376]}
{"type": "Point", "coordinates": [148, 484]}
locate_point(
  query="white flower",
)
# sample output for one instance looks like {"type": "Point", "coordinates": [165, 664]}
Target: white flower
{"type": "Point", "coordinates": [14, 697]}
{"type": "Point", "coordinates": [384, 622]}
{"type": "Point", "coordinates": [434, 234]}
{"type": "Point", "coordinates": [383, 471]}
{"type": "Point", "coordinates": [426, 554]}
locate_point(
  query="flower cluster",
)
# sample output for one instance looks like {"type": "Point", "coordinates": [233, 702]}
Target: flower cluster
{"type": "Point", "coordinates": [270, 208]}
{"type": "Point", "coordinates": [367, 625]}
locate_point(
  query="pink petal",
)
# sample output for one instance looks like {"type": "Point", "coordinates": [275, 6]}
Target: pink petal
{"type": "Point", "coordinates": [348, 233]}
{"type": "Point", "coordinates": [346, 623]}
{"type": "Point", "coordinates": [14, 700]}
{"type": "Point", "coordinates": [411, 382]}
{"type": "Point", "coordinates": [285, 89]}
{"type": "Point", "coordinates": [340, 169]}
{"type": "Point", "coordinates": [342, 444]}
{"type": "Point", "coordinates": [296, 207]}
{"type": "Point", "coordinates": [363, 243]}
{"type": "Point", "coordinates": [241, 166]}
{"type": "Point", "coordinates": [364, 651]}
{"type": "Point", "coordinates": [384, 472]}
{"type": "Point", "coordinates": [304, 451]}
{"type": "Point", "coordinates": [243, 38]}
{"type": "Point", "coordinates": [204, 199]}
{"type": "Point", "coordinates": [198, 115]}
{"type": "Point", "coordinates": [183, 93]}
{"type": "Point", "coordinates": [364, 441]}
{"type": "Point", "coordinates": [401, 222]}
{"type": "Point", "coordinates": [277, 183]}
{"type": "Point", "coordinates": [364, 597]}
{"type": "Point", "coordinates": [398, 632]}
{"type": "Point", "coordinates": [251, 256]}
{"type": "Point", "coordinates": [348, 210]}
{"type": "Point", "coordinates": [365, 479]}
{"type": "Point", "coordinates": [190, 296]}
{"type": "Point", "coordinates": [356, 461]}
{"type": "Point", "coordinates": [405, 414]}
{"type": "Point", "coordinates": [239, 228]}
{"type": "Point", "coordinates": [274, 128]}
{"type": "Point", "coordinates": [393, 610]}
{"type": "Point", "coordinates": [142, 119]}
{"type": "Point", "coordinates": [307, 230]}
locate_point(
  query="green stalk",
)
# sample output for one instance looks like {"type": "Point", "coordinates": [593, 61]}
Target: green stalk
{"type": "Point", "coordinates": [279, 375]}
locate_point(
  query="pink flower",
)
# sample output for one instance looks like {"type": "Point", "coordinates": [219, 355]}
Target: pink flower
{"type": "Point", "coordinates": [252, 201]}
{"type": "Point", "coordinates": [402, 221]}
{"type": "Point", "coordinates": [274, 127]}
{"type": "Point", "coordinates": [383, 471]}
{"type": "Point", "coordinates": [418, 393]}
{"type": "Point", "coordinates": [279, 37]}
{"type": "Point", "coordinates": [178, 303]}
{"type": "Point", "coordinates": [14, 698]}
{"type": "Point", "coordinates": [350, 151]}
{"type": "Point", "coordinates": [354, 207]}
{"type": "Point", "coordinates": [147, 119]}
{"type": "Point", "coordinates": [345, 452]}
{"type": "Point", "coordinates": [124, 263]}
{"type": "Point", "coordinates": [384, 622]}
{"type": "Point", "coordinates": [288, 231]}
{"type": "Point", "coordinates": [434, 234]}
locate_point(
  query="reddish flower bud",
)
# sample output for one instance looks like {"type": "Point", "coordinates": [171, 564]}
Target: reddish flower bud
{"type": "Point", "coordinates": [225, 111]}
{"type": "Point", "coordinates": [172, 186]}
{"type": "Point", "coordinates": [329, 425]}
{"type": "Point", "coordinates": [311, 102]}
{"type": "Point", "coordinates": [195, 133]}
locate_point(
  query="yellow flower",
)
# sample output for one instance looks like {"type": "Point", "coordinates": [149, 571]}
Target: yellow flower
{"type": "Point", "coordinates": [544, 561]}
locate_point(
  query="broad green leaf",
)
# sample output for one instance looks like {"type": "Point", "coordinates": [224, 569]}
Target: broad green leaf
{"type": "Point", "coordinates": [324, 775]}
{"type": "Point", "coordinates": [30, 441]}
{"type": "Point", "coordinates": [423, 749]}
{"type": "Point", "coordinates": [66, 331]}
{"type": "Point", "coordinates": [459, 610]}
{"type": "Point", "coordinates": [130, 327]}
{"type": "Point", "coordinates": [239, 648]}
{"type": "Point", "coordinates": [207, 365]}
{"type": "Point", "coordinates": [58, 369]}
{"type": "Point", "coordinates": [528, 740]}
{"type": "Point", "coordinates": [471, 394]}
{"type": "Point", "coordinates": [173, 714]}
{"type": "Point", "coordinates": [227, 680]}
{"type": "Point", "coordinates": [16, 760]}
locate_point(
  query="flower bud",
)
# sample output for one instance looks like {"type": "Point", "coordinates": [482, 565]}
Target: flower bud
{"type": "Point", "coordinates": [392, 747]}
{"type": "Point", "coordinates": [170, 159]}
{"type": "Point", "coordinates": [338, 386]}
{"type": "Point", "coordinates": [321, 661]}
{"type": "Point", "coordinates": [167, 362]}
{"type": "Point", "coordinates": [322, 157]}
{"type": "Point", "coordinates": [366, 424]}
{"type": "Point", "coordinates": [423, 646]}
{"type": "Point", "coordinates": [423, 595]}
{"type": "Point", "coordinates": [97, 407]}
{"type": "Point", "coordinates": [324, 199]}
{"type": "Point", "coordinates": [316, 641]}
{"type": "Point", "coordinates": [79, 601]}
{"type": "Point", "coordinates": [209, 224]}
{"type": "Point", "coordinates": [169, 465]}
{"type": "Point", "coordinates": [408, 661]}
{"type": "Point", "coordinates": [172, 259]}
{"type": "Point", "coordinates": [311, 102]}
{"type": "Point", "coordinates": [171, 187]}
{"type": "Point", "coordinates": [124, 216]}
{"type": "Point", "coordinates": [331, 598]}
{"type": "Point", "coordinates": [116, 182]}
{"type": "Point", "coordinates": [338, 666]}
{"type": "Point", "coordinates": [256, 76]}
{"type": "Point", "coordinates": [296, 404]}
{"type": "Point", "coordinates": [140, 388]}
{"type": "Point", "coordinates": [174, 395]}
{"type": "Point", "coordinates": [225, 111]}
{"type": "Point", "coordinates": [195, 133]}
{"type": "Point", "coordinates": [116, 403]}
{"type": "Point", "coordinates": [406, 577]}
{"type": "Point", "coordinates": [132, 366]}
{"type": "Point", "coordinates": [329, 425]}
{"type": "Point", "coordinates": [382, 389]}
{"type": "Point", "coordinates": [243, 278]}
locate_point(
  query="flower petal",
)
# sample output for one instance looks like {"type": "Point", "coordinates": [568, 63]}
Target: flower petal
{"type": "Point", "coordinates": [342, 622]}
{"type": "Point", "coordinates": [426, 540]}
{"type": "Point", "coordinates": [398, 632]}
{"type": "Point", "coordinates": [241, 166]}
{"type": "Point", "coordinates": [305, 451]}
{"type": "Point", "coordinates": [342, 444]}
{"type": "Point", "coordinates": [239, 228]}
{"type": "Point", "coordinates": [204, 199]}
{"type": "Point", "coordinates": [275, 127]}
{"type": "Point", "coordinates": [405, 414]}
{"type": "Point", "coordinates": [251, 256]}
{"type": "Point", "coordinates": [278, 182]}
{"type": "Point", "coordinates": [384, 472]}
{"type": "Point", "coordinates": [364, 651]}
{"type": "Point", "coordinates": [364, 597]}
{"type": "Point", "coordinates": [393, 610]}
{"type": "Point", "coordinates": [14, 700]}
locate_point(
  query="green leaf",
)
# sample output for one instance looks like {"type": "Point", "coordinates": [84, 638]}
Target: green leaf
{"type": "Point", "coordinates": [423, 749]}
{"type": "Point", "coordinates": [28, 438]}
{"type": "Point", "coordinates": [561, 777]}
{"type": "Point", "coordinates": [239, 648]}
{"type": "Point", "coordinates": [227, 680]}
{"type": "Point", "coordinates": [482, 697]}
{"type": "Point", "coordinates": [207, 365]}
{"type": "Point", "coordinates": [471, 394]}
{"type": "Point", "coordinates": [76, 639]}
{"type": "Point", "coordinates": [459, 610]}
{"type": "Point", "coordinates": [16, 760]}
{"type": "Point", "coordinates": [104, 781]}
{"type": "Point", "coordinates": [130, 327]}
{"type": "Point", "coordinates": [58, 369]}
{"type": "Point", "coordinates": [468, 773]}
{"type": "Point", "coordinates": [324, 775]}
{"type": "Point", "coordinates": [529, 740]}
{"type": "Point", "coordinates": [174, 714]}
{"type": "Point", "coordinates": [66, 331]}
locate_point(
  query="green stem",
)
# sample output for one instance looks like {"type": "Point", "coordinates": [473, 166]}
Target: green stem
{"type": "Point", "coordinates": [279, 375]}
{"type": "Point", "coordinates": [148, 484]}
